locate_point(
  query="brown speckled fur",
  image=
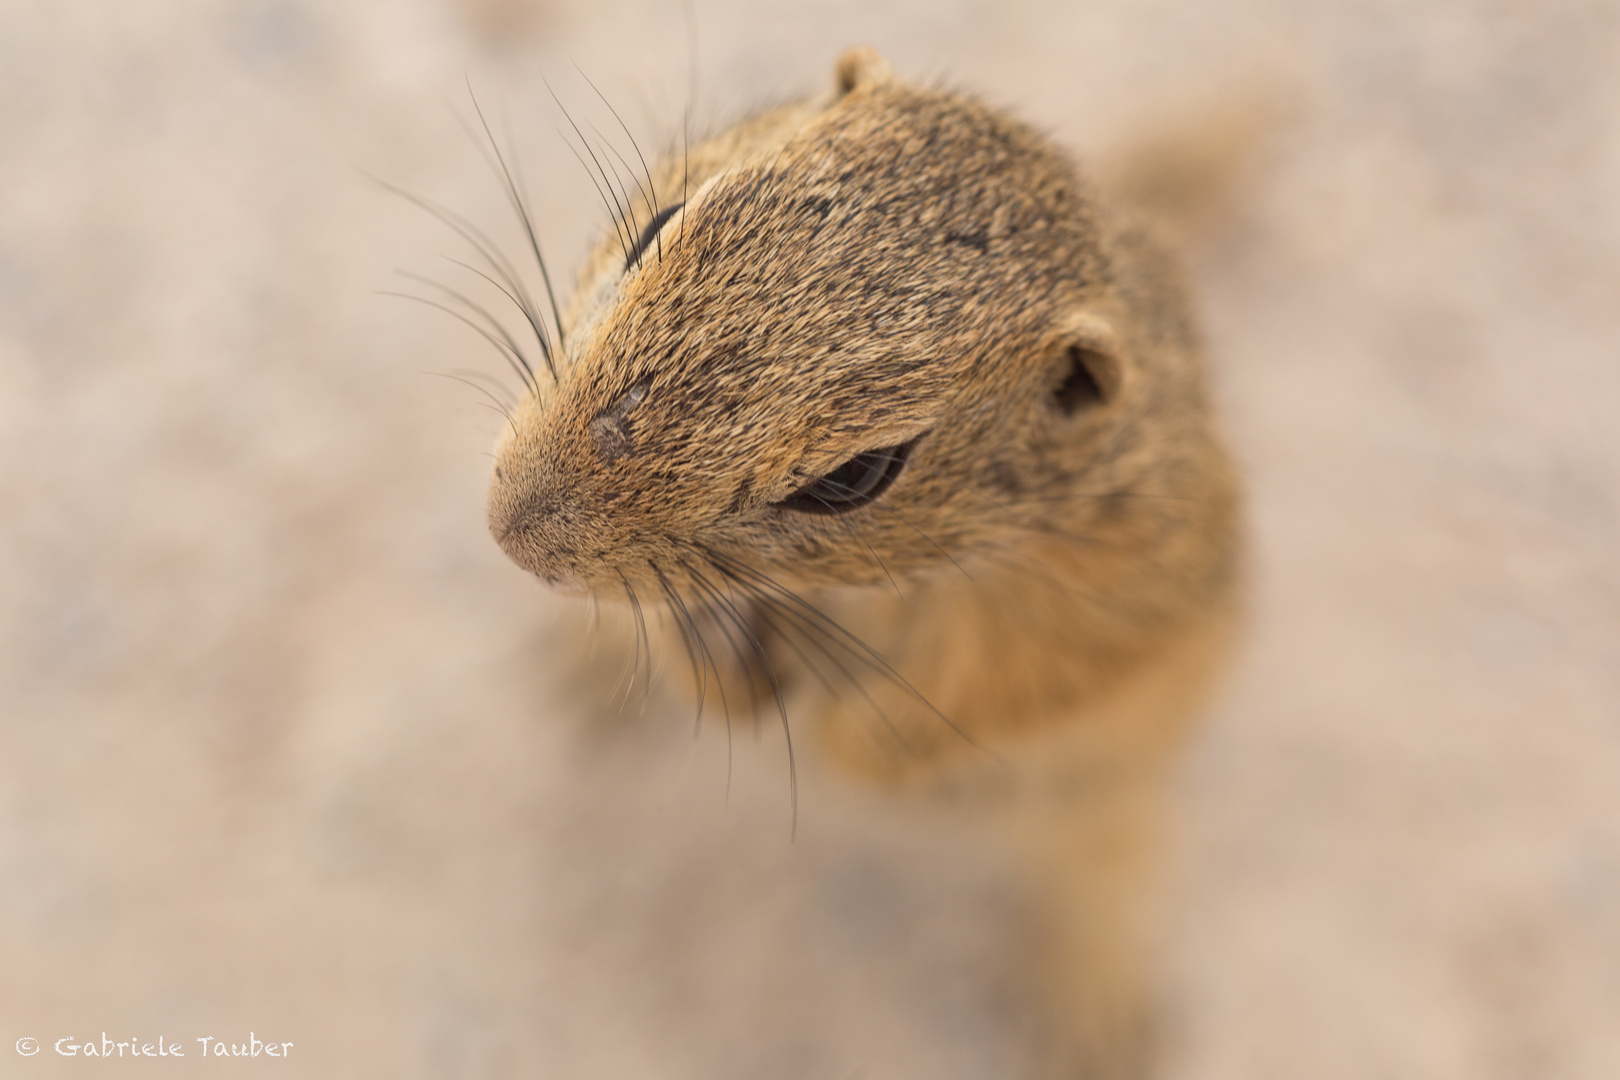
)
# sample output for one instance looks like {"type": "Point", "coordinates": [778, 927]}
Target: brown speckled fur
{"type": "Point", "coordinates": [901, 263]}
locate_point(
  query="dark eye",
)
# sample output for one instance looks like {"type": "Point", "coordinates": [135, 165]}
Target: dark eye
{"type": "Point", "coordinates": [648, 233]}
{"type": "Point", "coordinates": [854, 483]}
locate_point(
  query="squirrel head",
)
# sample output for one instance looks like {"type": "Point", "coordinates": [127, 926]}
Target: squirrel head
{"type": "Point", "coordinates": [861, 338]}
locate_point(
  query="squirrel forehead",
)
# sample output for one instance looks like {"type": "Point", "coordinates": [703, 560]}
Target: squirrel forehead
{"type": "Point", "coordinates": [898, 240]}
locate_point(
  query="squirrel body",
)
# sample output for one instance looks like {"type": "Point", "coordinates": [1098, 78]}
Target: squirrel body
{"type": "Point", "coordinates": [892, 412]}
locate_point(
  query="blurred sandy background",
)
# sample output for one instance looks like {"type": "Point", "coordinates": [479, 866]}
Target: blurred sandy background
{"type": "Point", "coordinates": [281, 745]}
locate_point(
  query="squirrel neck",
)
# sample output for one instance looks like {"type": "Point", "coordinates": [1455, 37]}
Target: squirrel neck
{"type": "Point", "coordinates": [989, 653]}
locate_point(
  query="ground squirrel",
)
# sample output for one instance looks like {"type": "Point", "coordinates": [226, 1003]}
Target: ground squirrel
{"type": "Point", "coordinates": [901, 426]}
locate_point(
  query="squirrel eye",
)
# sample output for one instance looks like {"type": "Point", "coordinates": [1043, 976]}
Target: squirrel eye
{"type": "Point", "coordinates": [854, 483]}
{"type": "Point", "coordinates": [633, 256]}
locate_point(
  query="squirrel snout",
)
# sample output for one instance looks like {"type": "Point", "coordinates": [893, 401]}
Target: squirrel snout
{"type": "Point", "coordinates": [510, 518]}
{"type": "Point", "coordinates": [521, 520]}
{"type": "Point", "coordinates": [549, 523]}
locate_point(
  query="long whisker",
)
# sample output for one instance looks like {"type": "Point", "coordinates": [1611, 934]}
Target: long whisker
{"type": "Point", "coordinates": [516, 196]}
{"type": "Point", "coordinates": [471, 269]}
{"type": "Point", "coordinates": [856, 533]}
{"type": "Point", "coordinates": [481, 243]}
{"type": "Point", "coordinates": [493, 323]}
{"type": "Point", "coordinates": [651, 193]}
{"type": "Point", "coordinates": [499, 405]}
{"type": "Point", "coordinates": [741, 622]}
{"type": "Point", "coordinates": [485, 379]}
{"type": "Point", "coordinates": [627, 678]}
{"type": "Point", "coordinates": [684, 624]}
{"type": "Point", "coordinates": [620, 216]}
{"type": "Point", "coordinates": [516, 361]}
{"type": "Point", "coordinates": [643, 641]}
{"type": "Point", "coordinates": [733, 569]}
{"type": "Point", "coordinates": [738, 652]}
{"type": "Point", "coordinates": [605, 142]}
{"type": "Point", "coordinates": [691, 103]}
{"type": "Point", "coordinates": [814, 636]}
{"type": "Point", "coordinates": [629, 199]}
{"type": "Point", "coordinates": [609, 204]}
{"type": "Point", "coordinates": [545, 272]}
{"type": "Point", "coordinates": [701, 673]}
{"type": "Point", "coordinates": [891, 511]}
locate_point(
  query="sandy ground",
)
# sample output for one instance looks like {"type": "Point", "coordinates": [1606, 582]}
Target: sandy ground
{"type": "Point", "coordinates": [283, 745]}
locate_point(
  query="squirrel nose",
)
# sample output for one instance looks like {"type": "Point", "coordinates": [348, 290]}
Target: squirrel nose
{"type": "Point", "coordinates": [520, 528]}
{"type": "Point", "coordinates": [518, 515]}
{"type": "Point", "coordinates": [542, 523]}
{"type": "Point", "coordinates": [508, 519]}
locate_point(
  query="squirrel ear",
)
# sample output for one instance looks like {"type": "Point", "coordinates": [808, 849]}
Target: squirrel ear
{"type": "Point", "coordinates": [860, 68]}
{"type": "Point", "coordinates": [1091, 372]}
